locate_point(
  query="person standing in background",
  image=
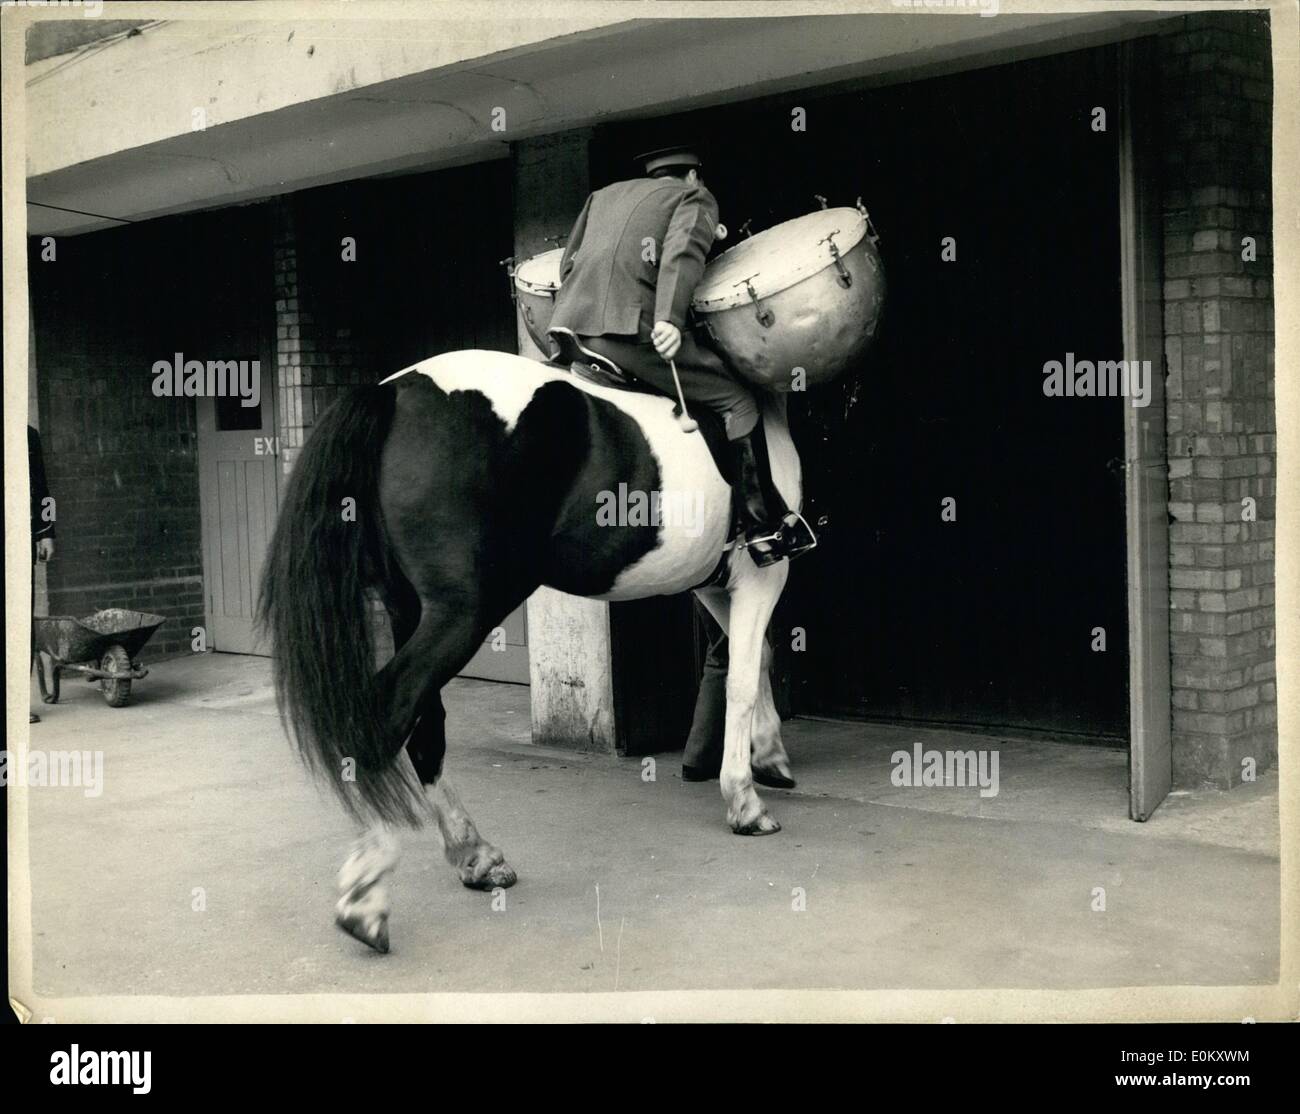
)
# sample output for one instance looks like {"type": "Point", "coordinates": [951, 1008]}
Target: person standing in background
{"type": "Point", "coordinates": [42, 512]}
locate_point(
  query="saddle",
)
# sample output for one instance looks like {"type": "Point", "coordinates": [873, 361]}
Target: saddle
{"type": "Point", "coordinates": [577, 358]}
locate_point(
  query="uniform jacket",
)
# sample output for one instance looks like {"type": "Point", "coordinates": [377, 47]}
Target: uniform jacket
{"type": "Point", "coordinates": [39, 488]}
{"type": "Point", "coordinates": [609, 286]}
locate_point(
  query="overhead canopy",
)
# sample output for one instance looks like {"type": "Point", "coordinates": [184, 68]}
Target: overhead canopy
{"type": "Point", "coordinates": [191, 114]}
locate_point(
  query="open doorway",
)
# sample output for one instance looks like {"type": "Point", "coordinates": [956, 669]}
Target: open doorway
{"type": "Point", "coordinates": [996, 618]}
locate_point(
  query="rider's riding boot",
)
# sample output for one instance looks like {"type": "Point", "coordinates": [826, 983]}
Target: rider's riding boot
{"type": "Point", "coordinates": [769, 529]}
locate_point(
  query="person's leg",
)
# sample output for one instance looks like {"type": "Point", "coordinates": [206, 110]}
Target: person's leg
{"type": "Point", "coordinates": [702, 758]}
{"type": "Point", "coordinates": [771, 531]}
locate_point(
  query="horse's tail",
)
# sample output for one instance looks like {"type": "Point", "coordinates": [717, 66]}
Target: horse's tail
{"type": "Point", "coordinates": [328, 550]}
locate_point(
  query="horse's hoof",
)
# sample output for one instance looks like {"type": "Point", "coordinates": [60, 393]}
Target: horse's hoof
{"type": "Point", "coordinates": [761, 825]}
{"type": "Point", "coordinates": [502, 875]}
{"type": "Point", "coordinates": [487, 870]}
{"type": "Point", "coordinates": [373, 932]}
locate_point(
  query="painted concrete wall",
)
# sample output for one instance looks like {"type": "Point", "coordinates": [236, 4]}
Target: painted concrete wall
{"type": "Point", "coordinates": [147, 88]}
{"type": "Point", "coordinates": [193, 114]}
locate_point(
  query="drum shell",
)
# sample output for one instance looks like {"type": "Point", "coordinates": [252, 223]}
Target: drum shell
{"type": "Point", "coordinates": [535, 282]}
{"type": "Point", "coordinates": [536, 310]}
{"type": "Point", "coordinates": [817, 324]}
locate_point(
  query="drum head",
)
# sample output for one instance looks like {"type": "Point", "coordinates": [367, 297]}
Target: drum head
{"type": "Point", "coordinates": [777, 258]}
{"type": "Point", "coordinates": [540, 274]}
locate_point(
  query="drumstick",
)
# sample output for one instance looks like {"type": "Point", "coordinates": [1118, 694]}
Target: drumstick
{"type": "Point", "coordinates": [688, 424]}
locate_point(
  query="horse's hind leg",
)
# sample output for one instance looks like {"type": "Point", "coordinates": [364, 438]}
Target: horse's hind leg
{"type": "Point", "coordinates": [477, 863]}
{"type": "Point", "coordinates": [364, 905]}
{"type": "Point", "coordinates": [429, 652]}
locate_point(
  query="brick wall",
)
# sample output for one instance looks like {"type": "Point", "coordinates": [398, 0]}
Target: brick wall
{"type": "Point", "coordinates": [122, 464]}
{"type": "Point", "coordinates": [1216, 121]}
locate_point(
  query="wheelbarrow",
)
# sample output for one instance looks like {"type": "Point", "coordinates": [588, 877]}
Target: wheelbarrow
{"type": "Point", "coordinates": [102, 647]}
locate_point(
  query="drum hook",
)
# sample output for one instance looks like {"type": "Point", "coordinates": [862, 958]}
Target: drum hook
{"type": "Point", "coordinates": [872, 234]}
{"type": "Point", "coordinates": [820, 200]}
{"type": "Point", "coordinates": [745, 227]}
{"type": "Point", "coordinates": [558, 241]}
{"type": "Point", "coordinates": [845, 279]}
{"type": "Point", "coordinates": [509, 264]}
{"type": "Point", "coordinates": [765, 316]}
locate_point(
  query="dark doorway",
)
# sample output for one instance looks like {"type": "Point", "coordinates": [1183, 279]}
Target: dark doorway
{"type": "Point", "coordinates": [987, 621]}
{"type": "Point", "coordinates": [425, 278]}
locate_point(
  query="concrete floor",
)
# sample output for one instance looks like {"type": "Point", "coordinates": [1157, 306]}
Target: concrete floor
{"type": "Point", "coordinates": [625, 883]}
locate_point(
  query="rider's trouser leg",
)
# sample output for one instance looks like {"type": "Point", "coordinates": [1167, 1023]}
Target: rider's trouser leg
{"type": "Point", "coordinates": [705, 378]}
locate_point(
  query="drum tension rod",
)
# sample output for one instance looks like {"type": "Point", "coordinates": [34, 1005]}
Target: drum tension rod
{"type": "Point", "coordinates": [509, 264]}
{"type": "Point", "coordinates": [845, 279]}
{"type": "Point", "coordinates": [872, 234]}
{"type": "Point", "coordinates": [765, 316]}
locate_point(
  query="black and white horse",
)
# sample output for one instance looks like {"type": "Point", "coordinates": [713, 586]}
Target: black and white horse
{"type": "Point", "coordinates": [453, 490]}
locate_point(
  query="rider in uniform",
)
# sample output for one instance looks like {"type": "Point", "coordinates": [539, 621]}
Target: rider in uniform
{"type": "Point", "coordinates": [629, 271]}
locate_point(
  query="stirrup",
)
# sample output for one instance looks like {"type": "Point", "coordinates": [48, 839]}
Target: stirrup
{"type": "Point", "coordinates": [793, 537]}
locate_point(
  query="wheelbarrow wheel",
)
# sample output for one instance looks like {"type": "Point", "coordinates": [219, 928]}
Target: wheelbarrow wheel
{"type": "Point", "coordinates": [50, 691]}
{"type": "Point", "coordinates": [116, 690]}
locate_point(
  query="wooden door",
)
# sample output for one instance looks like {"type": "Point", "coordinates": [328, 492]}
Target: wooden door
{"type": "Point", "coordinates": [1145, 463]}
{"type": "Point", "coordinates": [239, 471]}
{"type": "Point", "coordinates": [504, 653]}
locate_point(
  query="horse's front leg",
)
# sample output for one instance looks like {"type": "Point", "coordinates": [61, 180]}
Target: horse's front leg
{"type": "Point", "coordinates": [769, 758]}
{"type": "Point", "coordinates": [753, 595]}
{"type": "Point", "coordinates": [770, 762]}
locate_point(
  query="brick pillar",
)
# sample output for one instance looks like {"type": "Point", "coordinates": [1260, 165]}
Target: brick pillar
{"type": "Point", "coordinates": [1217, 106]}
{"type": "Point", "coordinates": [316, 354]}
{"type": "Point", "coordinates": [314, 357]}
